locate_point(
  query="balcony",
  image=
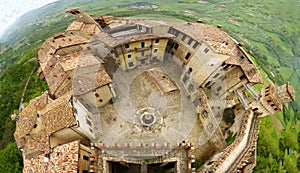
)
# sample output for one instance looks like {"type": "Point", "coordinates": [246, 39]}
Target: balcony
{"type": "Point", "coordinates": [140, 49]}
{"type": "Point", "coordinates": [140, 58]}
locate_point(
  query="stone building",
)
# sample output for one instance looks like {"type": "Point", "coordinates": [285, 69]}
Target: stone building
{"type": "Point", "coordinates": [133, 95]}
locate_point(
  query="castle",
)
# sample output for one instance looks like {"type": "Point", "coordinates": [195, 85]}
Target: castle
{"type": "Point", "coordinates": [134, 95]}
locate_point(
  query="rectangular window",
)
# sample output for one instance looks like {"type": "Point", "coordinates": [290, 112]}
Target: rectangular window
{"type": "Point", "coordinates": [88, 122]}
{"type": "Point", "coordinates": [155, 50]}
{"type": "Point", "coordinates": [130, 64]}
{"type": "Point", "coordinates": [142, 44]}
{"type": "Point", "coordinates": [176, 46]}
{"type": "Point", "coordinates": [243, 77]}
{"type": "Point", "coordinates": [143, 61]}
{"type": "Point", "coordinates": [176, 33]}
{"type": "Point", "coordinates": [183, 37]}
{"type": "Point", "coordinates": [126, 45]}
{"type": "Point", "coordinates": [215, 76]}
{"type": "Point", "coordinates": [129, 56]}
{"type": "Point", "coordinates": [206, 50]}
{"type": "Point", "coordinates": [187, 56]}
{"type": "Point", "coordinates": [190, 41]}
{"type": "Point", "coordinates": [85, 171]}
{"type": "Point", "coordinates": [195, 45]}
{"type": "Point", "coordinates": [184, 79]}
{"type": "Point", "coordinates": [140, 27]}
{"type": "Point", "coordinates": [191, 88]}
{"type": "Point", "coordinates": [157, 41]}
{"type": "Point", "coordinates": [196, 102]}
{"type": "Point", "coordinates": [87, 158]}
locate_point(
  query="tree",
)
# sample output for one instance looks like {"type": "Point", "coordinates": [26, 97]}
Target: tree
{"type": "Point", "coordinates": [11, 159]}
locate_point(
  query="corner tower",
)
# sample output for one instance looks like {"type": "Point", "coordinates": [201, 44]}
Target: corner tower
{"type": "Point", "coordinates": [82, 16]}
{"type": "Point", "coordinates": [272, 97]}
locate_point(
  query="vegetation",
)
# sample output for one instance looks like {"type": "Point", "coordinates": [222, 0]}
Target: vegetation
{"type": "Point", "coordinates": [231, 138]}
{"type": "Point", "coordinates": [270, 29]}
{"type": "Point", "coordinates": [228, 115]}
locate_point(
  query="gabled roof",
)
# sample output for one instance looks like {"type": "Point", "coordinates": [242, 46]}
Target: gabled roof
{"type": "Point", "coordinates": [39, 120]}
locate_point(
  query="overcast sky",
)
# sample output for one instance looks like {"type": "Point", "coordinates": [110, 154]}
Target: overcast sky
{"type": "Point", "coordinates": [11, 10]}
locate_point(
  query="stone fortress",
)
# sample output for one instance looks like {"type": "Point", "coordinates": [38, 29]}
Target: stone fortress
{"type": "Point", "coordinates": [141, 96]}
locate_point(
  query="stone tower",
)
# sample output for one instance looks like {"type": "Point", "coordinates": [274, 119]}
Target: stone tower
{"type": "Point", "coordinates": [82, 16]}
{"type": "Point", "coordinates": [272, 97]}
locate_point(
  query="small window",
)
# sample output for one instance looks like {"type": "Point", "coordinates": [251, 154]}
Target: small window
{"type": "Point", "coordinates": [154, 58]}
{"type": "Point", "coordinates": [143, 61]}
{"type": "Point", "coordinates": [190, 41]}
{"type": "Point", "coordinates": [85, 171]}
{"type": "Point", "coordinates": [190, 70]}
{"type": "Point", "coordinates": [142, 44]}
{"type": "Point", "coordinates": [215, 76]}
{"type": "Point", "coordinates": [75, 110]}
{"type": "Point", "coordinates": [157, 41]}
{"type": "Point", "coordinates": [155, 50]}
{"type": "Point", "coordinates": [223, 78]}
{"type": "Point", "coordinates": [196, 102]}
{"type": "Point", "coordinates": [191, 88]}
{"type": "Point", "coordinates": [176, 33]}
{"type": "Point", "coordinates": [269, 101]}
{"type": "Point", "coordinates": [208, 83]}
{"type": "Point", "coordinates": [195, 45]}
{"type": "Point", "coordinates": [126, 45]}
{"type": "Point", "coordinates": [206, 50]}
{"type": "Point", "coordinates": [176, 46]}
{"type": "Point", "coordinates": [87, 158]}
{"type": "Point", "coordinates": [183, 37]}
{"type": "Point", "coordinates": [242, 77]}
{"type": "Point", "coordinates": [130, 64]}
{"type": "Point", "coordinates": [187, 56]}
{"type": "Point", "coordinates": [129, 56]}
{"type": "Point", "coordinates": [97, 94]}
{"type": "Point", "coordinates": [184, 79]}
{"type": "Point", "coordinates": [143, 53]}
{"type": "Point", "coordinates": [88, 122]}
{"type": "Point", "coordinates": [219, 88]}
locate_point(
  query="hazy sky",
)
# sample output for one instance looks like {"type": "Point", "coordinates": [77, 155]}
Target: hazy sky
{"type": "Point", "coordinates": [11, 10]}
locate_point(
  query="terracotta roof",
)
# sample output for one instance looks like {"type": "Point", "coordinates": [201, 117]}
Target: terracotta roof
{"type": "Point", "coordinates": [38, 121]}
{"type": "Point", "coordinates": [78, 59]}
{"type": "Point", "coordinates": [28, 117]}
{"type": "Point", "coordinates": [218, 40]}
{"type": "Point", "coordinates": [75, 26]}
{"type": "Point", "coordinates": [89, 27]}
{"type": "Point", "coordinates": [58, 114]}
{"type": "Point", "coordinates": [161, 80]}
{"type": "Point", "coordinates": [88, 81]}
{"type": "Point", "coordinates": [54, 75]}
{"type": "Point", "coordinates": [64, 159]}
{"type": "Point", "coordinates": [250, 70]}
{"type": "Point", "coordinates": [66, 41]}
